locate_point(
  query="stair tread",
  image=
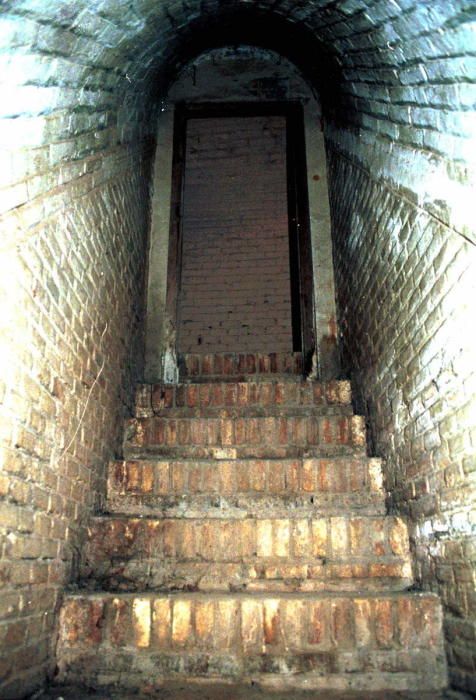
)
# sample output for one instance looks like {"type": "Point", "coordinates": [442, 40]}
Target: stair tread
{"type": "Point", "coordinates": [181, 509]}
{"type": "Point", "coordinates": [237, 412]}
{"type": "Point", "coordinates": [73, 593]}
{"type": "Point", "coordinates": [229, 518]}
{"type": "Point", "coordinates": [245, 691]}
{"type": "Point", "coordinates": [188, 453]}
{"type": "Point", "coordinates": [155, 419]}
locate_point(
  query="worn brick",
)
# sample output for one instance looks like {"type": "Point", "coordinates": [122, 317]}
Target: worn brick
{"type": "Point", "coordinates": [181, 623]}
{"type": "Point", "coordinates": [75, 172]}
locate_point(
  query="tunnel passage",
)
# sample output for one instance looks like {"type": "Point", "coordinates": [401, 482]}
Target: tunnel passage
{"type": "Point", "coordinates": [83, 85]}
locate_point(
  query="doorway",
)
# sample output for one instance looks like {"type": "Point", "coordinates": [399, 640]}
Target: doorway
{"type": "Point", "coordinates": [239, 269]}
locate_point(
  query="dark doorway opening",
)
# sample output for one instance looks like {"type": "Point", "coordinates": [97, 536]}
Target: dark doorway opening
{"type": "Point", "coordinates": [240, 266]}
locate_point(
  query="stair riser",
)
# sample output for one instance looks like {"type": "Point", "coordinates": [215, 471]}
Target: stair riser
{"type": "Point", "coordinates": [229, 365]}
{"type": "Point", "coordinates": [246, 396]}
{"type": "Point", "coordinates": [235, 637]}
{"type": "Point", "coordinates": [207, 554]}
{"type": "Point", "coordinates": [325, 482]}
{"type": "Point", "coordinates": [244, 434]}
{"type": "Point", "coordinates": [239, 540]}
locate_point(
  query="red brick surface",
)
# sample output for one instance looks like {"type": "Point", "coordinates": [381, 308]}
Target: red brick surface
{"type": "Point", "coordinates": [272, 436]}
{"type": "Point", "coordinates": [252, 543]}
{"type": "Point", "coordinates": [320, 637]}
{"type": "Point", "coordinates": [272, 554]}
{"type": "Point", "coordinates": [157, 399]}
{"type": "Point", "coordinates": [228, 477]}
{"type": "Point", "coordinates": [235, 284]}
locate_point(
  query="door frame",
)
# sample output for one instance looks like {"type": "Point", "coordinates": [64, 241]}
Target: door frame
{"type": "Point", "coordinates": [300, 247]}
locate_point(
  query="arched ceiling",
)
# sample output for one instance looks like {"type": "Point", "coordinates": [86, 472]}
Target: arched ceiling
{"type": "Point", "coordinates": [135, 46]}
{"type": "Point", "coordinates": [398, 75]}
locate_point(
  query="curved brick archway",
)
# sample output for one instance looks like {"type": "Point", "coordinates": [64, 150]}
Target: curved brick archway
{"type": "Point", "coordinates": [82, 87]}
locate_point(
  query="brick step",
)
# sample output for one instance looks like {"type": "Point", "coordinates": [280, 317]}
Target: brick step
{"type": "Point", "coordinates": [245, 486]}
{"type": "Point", "coordinates": [249, 411]}
{"type": "Point", "coordinates": [125, 553]}
{"type": "Point", "coordinates": [238, 366]}
{"type": "Point", "coordinates": [314, 641]}
{"type": "Point", "coordinates": [243, 437]}
{"type": "Point", "coordinates": [182, 399]}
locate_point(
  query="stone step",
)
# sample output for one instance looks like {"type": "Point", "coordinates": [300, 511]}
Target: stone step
{"type": "Point", "coordinates": [244, 437]}
{"type": "Point", "coordinates": [228, 398]}
{"type": "Point", "coordinates": [332, 553]}
{"type": "Point", "coordinates": [245, 486]}
{"type": "Point", "coordinates": [314, 641]}
{"type": "Point", "coordinates": [238, 366]}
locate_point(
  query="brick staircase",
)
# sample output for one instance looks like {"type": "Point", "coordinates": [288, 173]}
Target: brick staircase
{"type": "Point", "coordinates": [246, 539]}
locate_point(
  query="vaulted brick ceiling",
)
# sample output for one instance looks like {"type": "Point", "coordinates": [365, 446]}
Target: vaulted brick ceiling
{"type": "Point", "coordinates": [389, 71]}
{"type": "Point", "coordinates": [132, 46]}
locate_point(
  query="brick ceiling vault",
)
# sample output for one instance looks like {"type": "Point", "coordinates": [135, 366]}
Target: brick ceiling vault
{"type": "Point", "coordinates": [392, 71]}
{"type": "Point", "coordinates": [130, 47]}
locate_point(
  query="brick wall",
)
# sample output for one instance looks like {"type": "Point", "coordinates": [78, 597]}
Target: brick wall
{"type": "Point", "coordinates": [235, 285]}
{"type": "Point", "coordinates": [406, 283]}
{"type": "Point", "coordinates": [401, 184]}
{"type": "Point", "coordinates": [74, 214]}
{"type": "Point", "coordinates": [71, 301]}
